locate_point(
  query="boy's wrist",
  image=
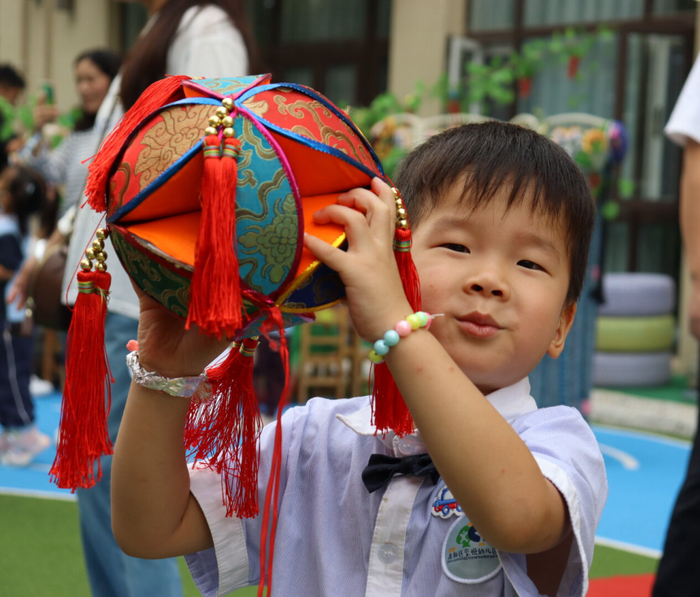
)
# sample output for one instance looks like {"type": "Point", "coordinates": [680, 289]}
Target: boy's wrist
{"type": "Point", "coordinates": [181, 386]}
{"type": "Point", "coordinates": [403, 328]}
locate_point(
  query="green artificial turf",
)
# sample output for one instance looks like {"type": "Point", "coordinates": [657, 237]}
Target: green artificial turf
{"type": "Point", "coordinates": [41, 555]}
{"type": "Point", "coordinates": [676, 390]}
{"type": "Point", "coordinates": [614, 562]}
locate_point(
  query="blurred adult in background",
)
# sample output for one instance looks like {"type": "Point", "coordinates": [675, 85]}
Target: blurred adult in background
{"type": "Point", "coordinates": [678, 574]}
{"type": "Point", "coordinates": [11, 86]}
{"type": "Point", "coordinates": [182, 37]}
{"type": "Point", "coordinates": [205, 38]}
{"type": "Point", "coordinates": [94, 72]}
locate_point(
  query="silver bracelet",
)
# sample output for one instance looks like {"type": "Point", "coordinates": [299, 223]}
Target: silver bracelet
{"type": "Point", "coordinates": [183, 387]}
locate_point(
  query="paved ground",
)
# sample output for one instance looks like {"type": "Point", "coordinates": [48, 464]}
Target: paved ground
{"type": "Point", "coordinates": [644, 474]}
{"type": "Point", "coordinates": [626, 410]}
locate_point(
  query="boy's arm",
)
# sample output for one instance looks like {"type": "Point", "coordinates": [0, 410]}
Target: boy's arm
{"type": "Point", "coordinates": [488, 468]}
{"type": "Point", "coordinates": [486, 465]}
{"type": "Point", "coordinates": [153, 513]}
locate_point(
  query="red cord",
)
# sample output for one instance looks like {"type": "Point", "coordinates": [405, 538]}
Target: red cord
{"type": "Point", "coordinates": [272, 491]}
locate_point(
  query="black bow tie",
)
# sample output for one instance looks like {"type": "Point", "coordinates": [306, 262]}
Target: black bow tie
{"type": "Point", "coordinates": [382, 468]}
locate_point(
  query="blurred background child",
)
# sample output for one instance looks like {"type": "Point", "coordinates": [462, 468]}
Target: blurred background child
{"type": "Point", "coordinates": [22, 193]}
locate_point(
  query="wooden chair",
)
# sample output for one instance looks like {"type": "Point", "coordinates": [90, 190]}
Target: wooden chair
{"type": "Point", "coordinates": [330, 357]}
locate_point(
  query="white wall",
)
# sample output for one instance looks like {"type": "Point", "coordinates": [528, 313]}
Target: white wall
{"type": "Point", "coordinates": [418, 44]}
{"type": "Point", "coordinates": [42, 41]}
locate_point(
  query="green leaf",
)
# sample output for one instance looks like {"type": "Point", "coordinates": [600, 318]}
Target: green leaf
{"type": "Point", "coordinates": [583, 160]}
{"type": "Point", "coordinates": [572, 102]}
{"type": "Point", "coordinates": [610, 210]}
{"type": "Point", "coordinates": [625, 188]}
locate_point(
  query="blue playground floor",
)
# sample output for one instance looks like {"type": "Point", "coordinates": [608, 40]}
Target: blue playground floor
{"type": "Point", "coordinates": [644, 474]}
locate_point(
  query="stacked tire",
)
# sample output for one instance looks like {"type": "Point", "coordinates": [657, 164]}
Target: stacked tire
{"type": "Point", "coordinates": [635, 331]}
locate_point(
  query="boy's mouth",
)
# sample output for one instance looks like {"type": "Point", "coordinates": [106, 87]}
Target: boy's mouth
{"type": "Point", "coordinates": [478, 324]}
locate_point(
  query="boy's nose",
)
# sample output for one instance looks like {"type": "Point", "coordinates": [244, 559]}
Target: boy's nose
{"type": "Point", "coordinates": [488, 284]}
{"type": "Point", "coordinates": [494, 291]}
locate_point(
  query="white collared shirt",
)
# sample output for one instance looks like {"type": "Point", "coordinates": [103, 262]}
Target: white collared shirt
{"type": "Point", "coordinates": [684, 122]}
{"type": "Point", "coordinates": [335, 538]}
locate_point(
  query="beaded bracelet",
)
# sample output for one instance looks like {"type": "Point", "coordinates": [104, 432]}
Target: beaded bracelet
{"type": "Point", "coordinates": [403, 328]}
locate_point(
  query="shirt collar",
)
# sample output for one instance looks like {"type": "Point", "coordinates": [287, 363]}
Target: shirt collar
{"type": "Point", "coordinates": [511, 402]}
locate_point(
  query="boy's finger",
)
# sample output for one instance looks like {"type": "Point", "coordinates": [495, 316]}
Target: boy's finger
{"type": "Point", "coordinates": [323, 251]}
{"type": "Point", "coordinates": [355, 223]}
{"type": "Point", "coordinates": [383, 191]}
{"type": "Point", "coordinates": [380, 215]}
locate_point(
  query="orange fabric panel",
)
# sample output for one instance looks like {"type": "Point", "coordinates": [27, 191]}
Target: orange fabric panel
{"type": "Point", "coordinates": [194, 92]}
{"type": "Point", "coordinates": [327, 232]}
{"type": "Point", "coordinates": [178, 195]}
{"type": "Point", "coordinates": [318, 173]}
{"type": "Point", "coordinates": [175, 236]}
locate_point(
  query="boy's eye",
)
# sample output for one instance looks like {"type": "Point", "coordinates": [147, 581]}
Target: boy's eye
{"type": "Point", "coordinates": [456, 247]}
{"type": "Point", "coordinates": [530, 265]}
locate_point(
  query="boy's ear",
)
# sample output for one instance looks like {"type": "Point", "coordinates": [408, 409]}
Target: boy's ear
{"type": "Point", "coordinates": [566, 319]}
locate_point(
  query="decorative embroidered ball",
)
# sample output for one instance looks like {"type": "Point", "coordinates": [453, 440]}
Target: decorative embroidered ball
{"type": "Point", "coordinates": [209, 186]}
{"type": "Point", "coordinates": [280, 151]}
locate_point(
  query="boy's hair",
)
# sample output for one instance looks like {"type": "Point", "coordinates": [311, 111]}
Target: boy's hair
{"type": "Point", "coordinates": [491, 154]}
{"type": "Point", "coordinates": [9, 77]}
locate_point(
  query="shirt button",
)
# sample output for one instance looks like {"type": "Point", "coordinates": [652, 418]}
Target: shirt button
{"type": "Point", "coordinates": [388, 553]}
{"type": "Point", "coordinates": [406, 447]}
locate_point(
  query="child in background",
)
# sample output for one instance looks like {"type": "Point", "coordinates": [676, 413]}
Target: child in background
{"type": "Point", "coordinates": [22, 193]}
{"type": "Point", "coordinates": [502, 220]}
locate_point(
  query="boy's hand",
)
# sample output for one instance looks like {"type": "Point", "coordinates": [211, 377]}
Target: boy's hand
{"type": "Point", "coordinates": [166, 347]}
{"type": "Point", "coordinates": [368, 268]}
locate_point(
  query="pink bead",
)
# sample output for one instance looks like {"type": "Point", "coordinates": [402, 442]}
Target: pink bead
{"type": "Point", "coordinates": [403, 328]}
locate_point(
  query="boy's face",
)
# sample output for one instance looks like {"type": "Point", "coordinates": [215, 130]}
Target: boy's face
{"type": "Point", "coordinates": [501, 279]}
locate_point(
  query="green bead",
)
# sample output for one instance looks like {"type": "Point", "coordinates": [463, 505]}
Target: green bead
{"type": "Point", "coordinates": [374, 357]}
{"type": "Point", "coordinates": [423, 317]}
{"type": "Point", "coordinates": [414, 320]}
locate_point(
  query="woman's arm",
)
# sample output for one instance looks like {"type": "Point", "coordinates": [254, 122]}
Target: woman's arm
{"type": "Point", "coordinates": [53, 164]}
{"type": "Point", "coordinates": [20, 287]}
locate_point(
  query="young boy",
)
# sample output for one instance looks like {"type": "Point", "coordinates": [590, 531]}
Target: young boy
{"type": "Point", "coordinates": [502, 220]}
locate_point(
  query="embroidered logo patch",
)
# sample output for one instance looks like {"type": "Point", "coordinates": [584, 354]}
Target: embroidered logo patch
{"type": "Point", "coordinates": [445, 504]}
{"type": "Point", "coordinates": [467, 558]}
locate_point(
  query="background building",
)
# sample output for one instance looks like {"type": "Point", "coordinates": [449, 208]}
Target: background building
{"type": "Point", "coordinates": [356, 49]}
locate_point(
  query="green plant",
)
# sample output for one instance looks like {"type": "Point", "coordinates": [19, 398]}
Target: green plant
{"type": "Point", "coordinates": [385, 105]}
{"type": "Point", "coordinates": [494, 80]}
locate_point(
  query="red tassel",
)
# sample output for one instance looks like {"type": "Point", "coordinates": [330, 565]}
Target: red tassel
{"type": "Point", "coordinates": [215, 297]}
{"type": "Point", "coordinates": [407, 269]}
{"type": "Point", "coordinates": [227, 429]}
{"type": "Point", "coordinates": [389, 409]}
{"type": "Point", "coordinates": [83, 436]}
{"type": "Point", "coordinates": [156, 95]}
